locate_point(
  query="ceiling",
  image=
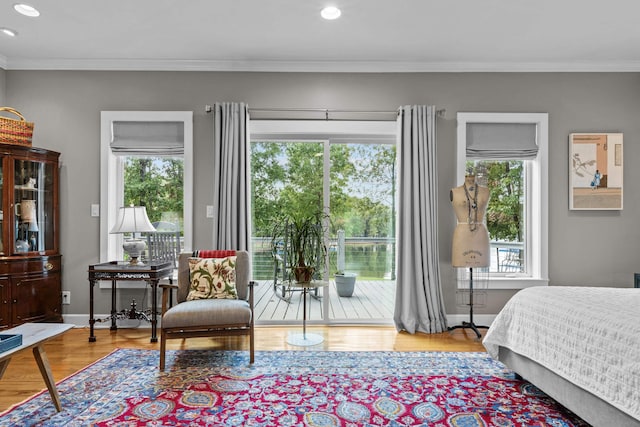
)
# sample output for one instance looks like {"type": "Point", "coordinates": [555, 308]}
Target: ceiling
{"type": "Point", "coordinates": [290, 35]}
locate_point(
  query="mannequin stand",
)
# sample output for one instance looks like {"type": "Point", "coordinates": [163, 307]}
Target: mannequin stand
{"type": "Point", "coordinates": [470, 324]}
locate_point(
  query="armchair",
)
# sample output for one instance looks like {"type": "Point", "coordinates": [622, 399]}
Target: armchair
{"type": "Point", "coordinates": [208, 317]}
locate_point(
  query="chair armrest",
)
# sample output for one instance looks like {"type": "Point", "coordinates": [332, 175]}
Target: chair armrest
{"type": "Point", "coordinates": [167, 286]}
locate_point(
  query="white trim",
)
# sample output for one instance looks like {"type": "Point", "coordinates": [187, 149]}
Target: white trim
{"type": "Point", "coordinates": [82, 321]}
{"type": "Point", "coordinates": [478, 319]}
{"type": "Point", "coordinates": [314, 66]}
{"type": "Point", "coordinates": [538, 186]}
{"type": "Point", "coordinates": [109, 165]}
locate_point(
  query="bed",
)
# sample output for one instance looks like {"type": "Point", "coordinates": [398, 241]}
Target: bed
{"type": "Point", "coordinates": [580, 345]}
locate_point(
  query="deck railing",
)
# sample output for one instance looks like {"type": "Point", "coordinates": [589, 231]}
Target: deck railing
{"type": "Point", "coordinates": [370, 257]}
{"type": "Point", "coordinates": [374, 257]}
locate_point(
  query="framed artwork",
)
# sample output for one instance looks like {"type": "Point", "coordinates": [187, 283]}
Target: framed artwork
{"type": "Point", "coordinates": [595, 171]}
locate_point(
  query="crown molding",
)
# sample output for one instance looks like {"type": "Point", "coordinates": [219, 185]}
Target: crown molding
{"type": "Point", "coordinates": [314, 66]}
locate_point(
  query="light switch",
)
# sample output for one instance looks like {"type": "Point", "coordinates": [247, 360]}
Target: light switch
{"type": "Point", "coordinates": [209, 211]}
{"type": "Point", "coordinates": [95, 210]}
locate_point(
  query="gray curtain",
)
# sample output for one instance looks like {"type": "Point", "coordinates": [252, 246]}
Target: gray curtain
{"type": "Point", "coordinates": [231, 180]}
{"type": "Point", "coordinates": [419, 302]}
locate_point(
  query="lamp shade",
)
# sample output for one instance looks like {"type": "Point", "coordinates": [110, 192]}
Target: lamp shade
{"type": "Point", "coordinates": [132, 219]}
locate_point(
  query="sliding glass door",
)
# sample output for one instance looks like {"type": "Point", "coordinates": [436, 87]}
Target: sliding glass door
{"type": "Point", "coordinates": [362, 231]}
{"type": "Point", "coordinates": [352, 180]}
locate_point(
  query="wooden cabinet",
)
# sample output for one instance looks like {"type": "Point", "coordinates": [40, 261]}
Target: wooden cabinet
{"type": "Point", "coordinates": [30, 260]}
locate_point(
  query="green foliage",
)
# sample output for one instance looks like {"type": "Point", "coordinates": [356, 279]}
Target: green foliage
{"type": "Point", "coordinates": [505, 211]}
{"type": "Point", "coordinates": [156, 183]}
{"type": "Point", "coordinates": [288, 187]}
{"type": "Point", "coordinates": [288, 180]}
{"type": "Point", "coordinates": [303, 235]}
{"type": "Point", "coordinates": [267, 173]}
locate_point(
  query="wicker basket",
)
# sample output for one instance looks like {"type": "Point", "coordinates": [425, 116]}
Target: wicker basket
{"type": "Point", "coordinates": [14, 131]}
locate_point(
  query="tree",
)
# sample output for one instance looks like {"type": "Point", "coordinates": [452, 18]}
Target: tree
{"type": "Point", "coordinates": [156, 183]}
{"type": "Point", "coordinates": [267, 172]}
{"type": "Point", "coordinates": [505, 210]}
{"type": "Point", "coordinates": [287, 182]}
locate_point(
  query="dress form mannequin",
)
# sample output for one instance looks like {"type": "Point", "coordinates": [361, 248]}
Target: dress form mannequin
{"type": "Point", "coordinates": [470, 246]}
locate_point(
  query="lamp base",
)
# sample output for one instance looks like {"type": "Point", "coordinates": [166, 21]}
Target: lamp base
{"type": "Point", "coordinates": [135, 262]}
{"type": "Point", "coordinates": [134, 248]}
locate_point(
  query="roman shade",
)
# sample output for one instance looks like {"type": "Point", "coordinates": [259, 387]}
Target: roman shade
{"type": "Point", "coordinates": [155, 138]}
{"type": "Point", "coordinates": [501, 141]}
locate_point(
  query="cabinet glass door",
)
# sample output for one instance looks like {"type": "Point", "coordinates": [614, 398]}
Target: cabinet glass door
{"type": "Point", "coordinates": [1, 211]}
{"type": "Point", "coordinates": [33, 206]}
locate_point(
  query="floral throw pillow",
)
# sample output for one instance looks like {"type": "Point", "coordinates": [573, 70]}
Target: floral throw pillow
{"type": "Point", "coordinates": [212, 278]}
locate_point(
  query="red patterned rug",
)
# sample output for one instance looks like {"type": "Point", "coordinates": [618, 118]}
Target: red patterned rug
{"type": "Point", "coordinates": [294, 388]}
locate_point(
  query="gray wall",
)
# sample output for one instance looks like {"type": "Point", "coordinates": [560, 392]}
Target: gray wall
{"type": "Point", "coordinates": [586, 248]}
{"type": "Point", "coordinates": [3, 87]}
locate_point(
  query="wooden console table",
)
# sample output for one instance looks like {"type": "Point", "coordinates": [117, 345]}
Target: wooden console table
{"type": "Point", "coordinates": [117, 271]}
{"type": "Point", "coordinates": [34, 335]}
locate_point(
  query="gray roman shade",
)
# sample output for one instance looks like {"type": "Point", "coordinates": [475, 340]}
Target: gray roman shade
{"type": "Point", "coordinates": [501, 141]}
{"type": "Point", "coordinates": [147, 138]}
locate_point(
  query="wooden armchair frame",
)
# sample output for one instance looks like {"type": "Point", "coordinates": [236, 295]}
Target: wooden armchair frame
{"type": "Point", "coordinates": [181, 320]}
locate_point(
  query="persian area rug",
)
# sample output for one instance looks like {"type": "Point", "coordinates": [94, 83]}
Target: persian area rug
{"type": "Point", "coordinates": [293, 388]}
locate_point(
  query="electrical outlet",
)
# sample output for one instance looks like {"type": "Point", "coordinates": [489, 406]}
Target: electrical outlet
{"type": "Point", "coordinates": [66, 297]}
{"type": "Point", "coordinates": [209, 211]}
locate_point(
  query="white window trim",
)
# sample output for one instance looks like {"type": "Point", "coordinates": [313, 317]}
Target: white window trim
{"type": "Point", "coordinates": [538, 186]}
{"type": "Point", "coordinates": [111, 200]}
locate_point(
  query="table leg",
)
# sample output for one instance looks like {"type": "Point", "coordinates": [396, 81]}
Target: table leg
{"type": "Point", "coordinates": [114, 326]}
{"type": "Point", "coordinates": [305, 339]}
{"type": "Point", "coordinates": [304, 313]}
{"type": "Point", "coordinates": [45, 370]}
{"type": "Point", "coordinates": [92, 321]}
{"type": "Point", "coordinates": [3, 366]}
{"type": "Point", "coordinates": [154, 306]}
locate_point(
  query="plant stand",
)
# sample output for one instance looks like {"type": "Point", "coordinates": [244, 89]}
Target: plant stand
{"type": "Point", "coordinates": [304, 339]}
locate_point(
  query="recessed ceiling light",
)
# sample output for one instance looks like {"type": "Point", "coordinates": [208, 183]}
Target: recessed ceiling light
{"type": "Point", "coordinates": [26, 10]}
{"type": "Point", "coordinates": [9, 32]}
{"type": "Point", "coordinates": [330, 12]}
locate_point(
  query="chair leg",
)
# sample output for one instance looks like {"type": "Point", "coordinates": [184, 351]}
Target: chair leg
{"type": "Point", "coordinates": [163, 347]}
{"type": "Point", "coordinates": [251, 347]}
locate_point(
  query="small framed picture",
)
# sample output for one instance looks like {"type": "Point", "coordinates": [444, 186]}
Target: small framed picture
{"type": "Point", "coordinates": [595, 171]}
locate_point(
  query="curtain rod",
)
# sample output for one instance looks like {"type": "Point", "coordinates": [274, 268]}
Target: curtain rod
{"type": "Point", "coordinates": [326, 111]}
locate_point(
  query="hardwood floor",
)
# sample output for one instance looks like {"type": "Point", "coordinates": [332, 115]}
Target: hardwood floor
{"type": "Point", "coordinates": [71, 351]}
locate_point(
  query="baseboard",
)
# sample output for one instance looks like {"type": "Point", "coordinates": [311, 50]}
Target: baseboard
{"type": "Point", "coordinates": [478, 319]}
{"type": "Point", "coordinates": [82, 321]}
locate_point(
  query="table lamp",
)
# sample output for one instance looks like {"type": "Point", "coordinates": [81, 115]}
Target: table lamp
{"type": "Point", "coordinates": [133, 219]}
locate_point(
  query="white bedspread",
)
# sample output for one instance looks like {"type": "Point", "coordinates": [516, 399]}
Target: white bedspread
{"type": "Point", "coordinates": [589, 336]}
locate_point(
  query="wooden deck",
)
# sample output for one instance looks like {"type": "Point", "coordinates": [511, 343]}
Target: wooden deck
{"type": "Point", "coordinates": [372, 302]}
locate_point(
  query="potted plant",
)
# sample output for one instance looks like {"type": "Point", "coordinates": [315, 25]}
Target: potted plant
{"type": "Point", "coordinates": [301, 236]}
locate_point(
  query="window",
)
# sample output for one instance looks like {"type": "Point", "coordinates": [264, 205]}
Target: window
{"type": "Point", "coordinates": [508, 153]}
{"type": "Point", "coordinates": [154, 146]}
